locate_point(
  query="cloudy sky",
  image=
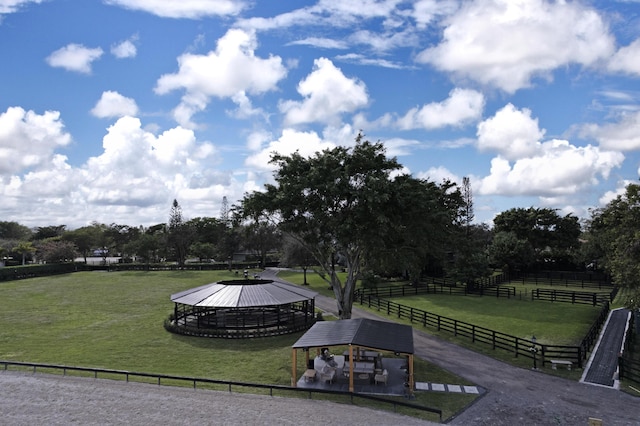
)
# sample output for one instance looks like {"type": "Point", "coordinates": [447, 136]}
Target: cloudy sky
{"type": "Point", "coordinates": [110, 109]}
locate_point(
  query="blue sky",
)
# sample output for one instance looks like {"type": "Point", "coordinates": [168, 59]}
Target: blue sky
{"type": "Point", "coordinates": [111, 109]}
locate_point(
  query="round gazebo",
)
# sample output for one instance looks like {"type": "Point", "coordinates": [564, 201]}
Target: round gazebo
{"type": "Point", "coordinates": [241, 309]}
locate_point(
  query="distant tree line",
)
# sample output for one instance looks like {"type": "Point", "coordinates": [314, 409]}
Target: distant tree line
{"type": "Point", "coordinates": [201, 239]}
{"type": "Point", "coordinates": [353, 210]}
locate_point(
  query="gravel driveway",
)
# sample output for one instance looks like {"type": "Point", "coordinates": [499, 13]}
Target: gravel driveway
{"type": "Point", "coordinates": [42, 399]}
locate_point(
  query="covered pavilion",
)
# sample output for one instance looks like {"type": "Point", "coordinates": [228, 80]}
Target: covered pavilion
{"type": "Point", "coordinates": [243, 308]}
{"type": "Point", "coordinates": [357, 334]}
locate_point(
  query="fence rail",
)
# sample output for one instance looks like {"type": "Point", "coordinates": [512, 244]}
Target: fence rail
{"type": "Point", "coordinates": [629, 369]}
{"type": "Point", "coordinates": [230, 385]}
{"type": "Point", "coordinates": [497, 340]}
{"type": "Point", "coordinates": [573, 297]}
{"type": "Point", "coordinates": [550, 295]}
{"type": "Point", "coordinates": [567, 278]}
{"type": "Point", "coordinates": [439, 288]}
{"type": "Point", "coordinates": [628, 363]}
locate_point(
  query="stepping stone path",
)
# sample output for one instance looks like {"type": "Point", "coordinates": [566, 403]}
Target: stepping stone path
{"type": "Point", "coordinates": [440, 387]}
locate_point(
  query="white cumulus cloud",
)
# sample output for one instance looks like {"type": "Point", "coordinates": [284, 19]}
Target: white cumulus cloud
{"type": "Point", "coordinates": [623, 135]}
{"type": "Point", "coordinates": [231, 71]}
{"type": "Point", "coordinates": [508, 43]}
{"type": "Point", "coordinates": [327, 93]}
{"type": "Point", "coordinates": [125, 49]}
{"type": "Point", "coordinates": [461, 107]}
{"type": "Point", "coordinates": [626, 60]}
{"type": "Point", "coordinates": [28, 140]}
{"type": "Point", "coordinates": [75, 57]}
{"type": "Point", "coordinates": [558, 168]}
{"type": "Point", "coordinates": [511, 132]}
{"type": "Point", "coordinates": [113, 104]}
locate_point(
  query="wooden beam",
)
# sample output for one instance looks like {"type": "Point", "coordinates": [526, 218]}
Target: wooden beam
{"type": "Point", "coordinates": [351, 360]}
{"type": "Point", "coordinates": [411, 379]}
{"type": "Point", "coordinates": [294, 368]}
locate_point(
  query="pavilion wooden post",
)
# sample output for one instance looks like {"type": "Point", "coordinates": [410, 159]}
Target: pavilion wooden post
{"type": "Point", "coordinates": [294, 367]}
{"type": "Point", "coordinates": [411, 382]}
{"type": "Point", "coordinates": [351, 360]}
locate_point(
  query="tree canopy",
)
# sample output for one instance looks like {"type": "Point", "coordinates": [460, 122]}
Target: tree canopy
{"type": "Point", "coordinates": [348, 205]}
{"type": "Point", "coordinates": [614, 238]}
{"type": "Point", "coordinates": [554, 239]}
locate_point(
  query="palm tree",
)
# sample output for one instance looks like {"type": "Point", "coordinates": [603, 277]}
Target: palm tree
{"type": "Point", "coordinates": [24, 248]}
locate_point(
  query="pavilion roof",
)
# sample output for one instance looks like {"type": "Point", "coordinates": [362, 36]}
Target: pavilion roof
{"type": "Point", "coordinates": [243, 294]}
{"type": "Point", "coordinates": [364, 332]}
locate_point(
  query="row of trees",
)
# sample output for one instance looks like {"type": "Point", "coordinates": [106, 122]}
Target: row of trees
{"type": "Point", "coordinates": [204, 238]}
{"type": "Point", "coordinates": [353, 209]}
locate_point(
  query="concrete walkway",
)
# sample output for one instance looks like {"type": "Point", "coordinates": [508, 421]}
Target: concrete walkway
{"type": "Point", "coordinates": [602, 366]}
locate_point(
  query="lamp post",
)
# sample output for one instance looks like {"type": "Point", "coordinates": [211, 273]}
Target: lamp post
{"type": "Point", "coordinates": [534, 352]}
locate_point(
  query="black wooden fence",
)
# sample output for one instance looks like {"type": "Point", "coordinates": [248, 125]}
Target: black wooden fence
{"type": "Point", "coordinates": [195, 381]}
{"type": "Point", "coordinates": [509, 292]}
{"type": "Point", "coordinates": [497, 340]}
{"type": "Point", "coordinates": [628, 362]}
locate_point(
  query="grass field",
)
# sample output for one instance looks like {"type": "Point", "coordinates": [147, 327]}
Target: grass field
{"type": "Point", "coordinates": [551, 323]}
{"type": "Point", "coordinates": [114, 320]}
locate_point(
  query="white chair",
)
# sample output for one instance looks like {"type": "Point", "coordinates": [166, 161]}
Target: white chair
{"type": "Point", "coordinates": [327, 374]}
{"type": "Point", "coordinates": [381, 378]}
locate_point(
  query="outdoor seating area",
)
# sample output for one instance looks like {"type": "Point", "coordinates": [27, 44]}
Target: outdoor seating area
{"type": "Point", "coordinates": [361, 367]}
{"type": "Point", "coordinates": [392, 380]}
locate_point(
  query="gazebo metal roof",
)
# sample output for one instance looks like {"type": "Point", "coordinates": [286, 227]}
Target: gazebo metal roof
{"type": "Point", "coordinates": [243, 294]}
{"type": "Point", "coordinates": [359, 332]}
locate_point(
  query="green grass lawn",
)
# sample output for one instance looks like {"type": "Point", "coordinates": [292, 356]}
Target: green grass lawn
{"type": "Point", "coordinates": [551, 323]}
{"type": "Point", "coordinates": [114, 320]}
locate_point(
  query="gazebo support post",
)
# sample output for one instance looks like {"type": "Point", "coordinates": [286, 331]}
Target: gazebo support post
{"type": "Point", "coordinates": [351, 360]}
{"type": "Point", "coordinates": [411, 382]}
{"type": "Point", "coordinates": [294, 367]}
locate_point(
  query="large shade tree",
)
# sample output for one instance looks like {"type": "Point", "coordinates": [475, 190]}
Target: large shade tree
{"type": "Point", "coordinates": [340, 204]}
{"type": "Point", "coordinates": [614, 235]}
{"type": "Point", "coordinates": [554, 239]}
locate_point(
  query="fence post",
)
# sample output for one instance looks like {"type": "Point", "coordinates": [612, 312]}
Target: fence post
{"type": "Point", "coordinates": [620, 367]}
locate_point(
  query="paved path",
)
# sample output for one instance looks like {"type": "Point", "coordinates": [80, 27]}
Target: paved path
{"type": "Point", "coordinates": [516, 395]}
{"type": "Point", "coordinates": [603, 364]}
